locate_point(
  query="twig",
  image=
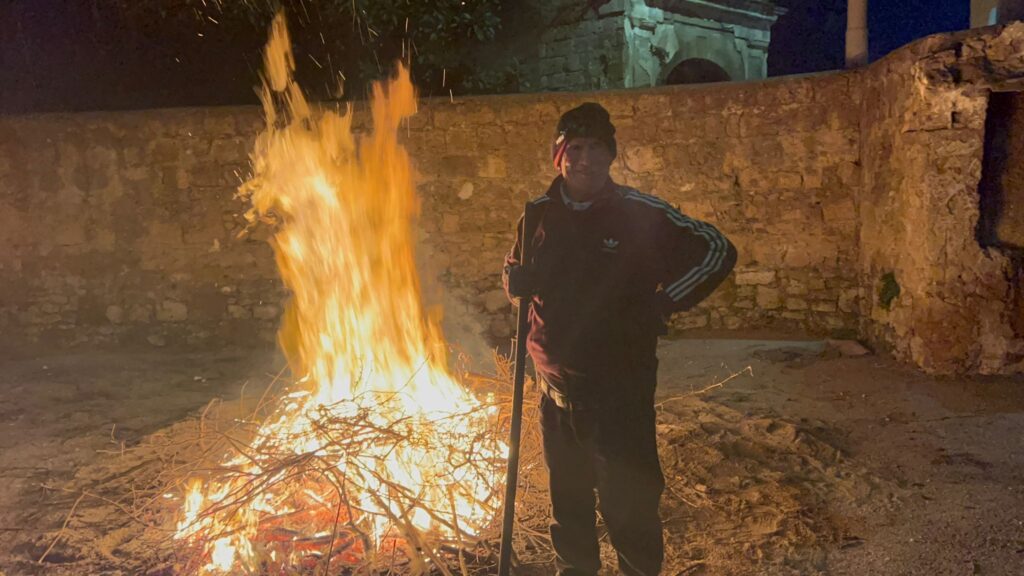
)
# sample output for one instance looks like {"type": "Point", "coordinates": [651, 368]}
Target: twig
{"type": "Point", "coordinates": [60, 532]}
{"type": "Point", "coordinates": [748, 370]}
{"type": "Point", "coordinates": [120, 507]}
{"type": "Point", "coordinates": [458, 532]}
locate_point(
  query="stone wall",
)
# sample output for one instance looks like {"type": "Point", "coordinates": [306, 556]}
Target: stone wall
{"type": "Point", "coordinates": [853, 199]}
{"type": "Point", "coordinates": [934, 295]}
{"type": "Point", "coordinates": [575, 48]}
{"type": "Point", "coordinates": [122, 226]}
{"type": "Point", "coordinates": [774, 165]}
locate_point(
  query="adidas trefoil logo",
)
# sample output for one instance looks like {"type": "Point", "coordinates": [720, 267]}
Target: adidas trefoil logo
{"type": "Point", "coordinates": [610, 244]}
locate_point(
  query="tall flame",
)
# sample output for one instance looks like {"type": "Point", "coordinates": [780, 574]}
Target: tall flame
{"type": "Point", "coordinates": [380, 435]}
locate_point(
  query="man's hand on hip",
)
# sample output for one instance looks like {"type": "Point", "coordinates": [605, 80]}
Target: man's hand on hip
{"type": "Point", "coordinates": [521, 281]}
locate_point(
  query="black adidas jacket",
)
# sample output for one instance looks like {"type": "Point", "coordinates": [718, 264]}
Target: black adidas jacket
{"type": "Point", "coordinates": [607, 275]}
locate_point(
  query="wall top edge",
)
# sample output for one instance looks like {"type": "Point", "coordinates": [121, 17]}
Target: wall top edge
{"type": "Point", "coordinates": [437, 102]}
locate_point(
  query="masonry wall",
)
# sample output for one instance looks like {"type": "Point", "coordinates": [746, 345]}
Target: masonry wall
{"type": "Point", "coordinates": [934, 295]}
{"type": "Point", "coordinates": [853, 199]}
{"type": "Point", "coordinates": [773, 165]}
{"type": "Point", "coordinates": [575, 48]}
{"type": "Point", "coordinates": [122, 227]}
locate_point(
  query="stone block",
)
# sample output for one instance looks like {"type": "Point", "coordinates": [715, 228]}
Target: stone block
{"type": "Point", "coordinates": [754, 277]}
{"type": "Point", "coordinates": [765, 252]}
{"type": "Point", "coordinates": [813, 251]}
{"type": "Point", "coordinates": [266, 312]}
{"type": "Point", "coordinates": [811, 180]}
{"type": "Point", "coordinates": [115, 314]}
{"type": "Point", "coordinates": [449, 223]}
{"type": "Point", "coordinates": [230, 150]}
{"type": "Point", "coordinates": [732, 322]}
{"type": "Point", "coordinates": [849, 173]}
{"type": "Point", "coordinates": [839, 211]}
{"type": "Point", "coordinates": [172, 311]}
{"type": "Point", "coordinates": [220, 123]}
{"type": "Point", "coordinates": [460, 140]}
{"type": "Point", "coordinates": [653, 106]}
{"type": "Point", "coordinates": [238, 312]}
{"type": "Point", "coordinates": [823, 306]}
{"type": "Point", "coordinates": [576, 81]}
{"type": "Point", "coordinates": [796, 304]}
{"type": "Point", "coordinates": [164, 151]}
{"type": "Point", "coordinates": [759, 125]}
{"type": "Point", "coordinates": [788, 180]}
{"type": "Point", "coordinates": [493, 167]}
{"type": "Point", "coordinates": [848, 300]}
{"type": "Point", "coordinates": [214, 175]}
{"type": "Point", "coordinates": [796, 288]}
{"type": "Point", "coordinates": [768, 298]}
{"type": "Point", "coordinates": [690, 320]}
{"type": "Point", "coordinates": [462, 166]}
{"type": "Point", "coordinates": [139, 313]}
{"type": "Point", "coordinates": [644, 159]}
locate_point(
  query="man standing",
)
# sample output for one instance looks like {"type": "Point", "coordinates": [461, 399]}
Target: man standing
{"type": "Point", "coordinates": [609, 265]}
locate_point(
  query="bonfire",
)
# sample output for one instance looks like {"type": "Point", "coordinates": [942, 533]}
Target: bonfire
{"type": "Point", "coordinates": [377, 458]}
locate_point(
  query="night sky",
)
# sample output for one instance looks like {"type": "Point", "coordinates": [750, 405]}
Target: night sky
{"type": "Point", "coordinates": [812, 36]}
{"type": "Point", "coordinates": [70, 55]}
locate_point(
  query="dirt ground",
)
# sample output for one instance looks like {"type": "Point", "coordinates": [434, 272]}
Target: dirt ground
{"type": "Point", "coordinates": [805, 462]}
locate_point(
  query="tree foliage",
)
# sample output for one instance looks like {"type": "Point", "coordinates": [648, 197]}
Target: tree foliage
{"type": "Point", "coordinates": [354, 41]}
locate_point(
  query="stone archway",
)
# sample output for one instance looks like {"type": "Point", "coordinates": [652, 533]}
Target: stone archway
{"type": "Point", "coordinates": [697, 71]}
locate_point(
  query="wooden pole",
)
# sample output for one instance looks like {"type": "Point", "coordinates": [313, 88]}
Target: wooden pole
{"type": "Point", "coordinates": [516, 424]}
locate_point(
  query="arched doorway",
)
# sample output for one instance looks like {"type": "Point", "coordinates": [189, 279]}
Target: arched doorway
{"type": "Point", "coordinates": [697, 71]}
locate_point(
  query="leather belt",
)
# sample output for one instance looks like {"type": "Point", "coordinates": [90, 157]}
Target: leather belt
{"type": "Point", "coordinates": [558, 397]}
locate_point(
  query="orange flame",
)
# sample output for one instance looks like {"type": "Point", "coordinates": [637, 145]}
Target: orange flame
{"type": "Point", "coordinates": [356, 331]}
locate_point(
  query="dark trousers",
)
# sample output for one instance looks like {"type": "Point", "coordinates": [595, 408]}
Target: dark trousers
{"type": "Point", "coordinates": [609, 447]}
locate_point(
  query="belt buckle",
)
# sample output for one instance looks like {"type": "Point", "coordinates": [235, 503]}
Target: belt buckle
{"type": "Point", "coordinates": [556, 396]}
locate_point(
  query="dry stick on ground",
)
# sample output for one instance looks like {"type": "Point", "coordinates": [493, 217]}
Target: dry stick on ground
{"type": "Point", "coordinates": [328, 426]}
{"type": "Point", "coordinates": [83, 493]}
{"type": "Point", "coordinates": [61, 531]}
{"type": "Point", "coordinates": [748, 370]}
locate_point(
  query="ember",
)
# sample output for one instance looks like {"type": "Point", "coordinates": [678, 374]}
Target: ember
{"type": "Point", "coordinates": [378, 451]}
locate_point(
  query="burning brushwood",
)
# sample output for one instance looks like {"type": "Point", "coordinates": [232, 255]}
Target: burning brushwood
{"type": "Point", "coordinates": [378, 455]}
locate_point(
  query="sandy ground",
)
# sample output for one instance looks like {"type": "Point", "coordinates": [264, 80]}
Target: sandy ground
{"type": "Point", "coordinates": [807, 463]}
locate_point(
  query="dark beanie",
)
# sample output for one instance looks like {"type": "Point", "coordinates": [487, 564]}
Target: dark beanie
{"type": "Point", "coordinates": [588, 120]}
